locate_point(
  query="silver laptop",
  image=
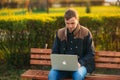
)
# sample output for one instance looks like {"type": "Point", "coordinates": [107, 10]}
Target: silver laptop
{"type": "Point", "coordinates": [64, 62]}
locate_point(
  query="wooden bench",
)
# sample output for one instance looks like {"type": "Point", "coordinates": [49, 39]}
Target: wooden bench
{"type": "Point", "coordinates": [41, 58]}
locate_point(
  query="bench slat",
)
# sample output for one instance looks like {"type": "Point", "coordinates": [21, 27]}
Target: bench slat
{"type": "Point", "coordinates": [39, 50]}
{"type": "Point", "coordinates": [107, 53]}
{"type": "Point", "coordinates": [103, 77]}
{"type": "Point", "coordinates": [40, 62]}
{"type": "Point", "coordinates": [107, 65]}
{"type": "Point", "coordinates": [107, 59]}
{"type": "Point", "coordinates": [29, 74]}
{"type": "Point", "coordinates": [33, 73]}
{"type": "Point", "coordinates": [38, 56]}
{"type": "Point", "coordinates": [40, 74]}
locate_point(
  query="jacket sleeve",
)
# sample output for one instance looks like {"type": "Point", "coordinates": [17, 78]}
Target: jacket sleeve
{"type": "Point", "coordinates": [56, 44]}
{"type": "Point", "coordinates": [88, 58]}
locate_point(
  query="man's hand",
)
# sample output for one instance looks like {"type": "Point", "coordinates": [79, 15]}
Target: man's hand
{"type": "Point", "coordinates": [79, 65]}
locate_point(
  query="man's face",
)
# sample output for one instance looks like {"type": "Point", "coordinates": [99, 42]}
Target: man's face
{"type": "Point", "coordinates": [71, 24]}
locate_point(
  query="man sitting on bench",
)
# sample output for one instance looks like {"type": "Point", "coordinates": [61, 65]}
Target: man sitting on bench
{"type": "Point", "coordinates": [74, 39]}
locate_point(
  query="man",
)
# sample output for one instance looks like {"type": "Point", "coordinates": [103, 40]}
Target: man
{"type": "Point", "coordinates": [74, 39]}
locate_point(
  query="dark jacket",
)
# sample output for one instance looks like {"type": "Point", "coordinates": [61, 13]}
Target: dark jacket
{"type": "Point", "coordinates": [79, 42]}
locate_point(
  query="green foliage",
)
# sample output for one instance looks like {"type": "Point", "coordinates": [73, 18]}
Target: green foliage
{"type": "Point", "coordinates": [14, 45]}
{"type": "Point", "coordinates": [88, 7]}
{"type": "Point", "coordinates": [8, 72]}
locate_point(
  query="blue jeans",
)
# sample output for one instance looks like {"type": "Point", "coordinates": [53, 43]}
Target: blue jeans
{"type": "Point", "coordinates": [76, 75]}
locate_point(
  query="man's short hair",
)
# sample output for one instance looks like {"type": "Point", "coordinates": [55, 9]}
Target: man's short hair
{"type": "Point", "coordinates": [71, 13]}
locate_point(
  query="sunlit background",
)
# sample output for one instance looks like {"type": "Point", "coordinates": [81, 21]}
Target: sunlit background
{"type": "Point", "coordinates": [51, 6]}
{"type": "Point", "coordinates": [110, 0]}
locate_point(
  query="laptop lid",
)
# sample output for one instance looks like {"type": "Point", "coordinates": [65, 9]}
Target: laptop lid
{"type": "Point", "coordinates": [64, 62]}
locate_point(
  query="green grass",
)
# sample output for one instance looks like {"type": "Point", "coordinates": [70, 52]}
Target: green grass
{"type": "Point", "coordinates": [81, 10]}
{"type": "Point", "coordinates": [96, 11]}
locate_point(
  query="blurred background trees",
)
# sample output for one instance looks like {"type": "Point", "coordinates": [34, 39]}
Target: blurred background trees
{"type": "Point", "coordinates": [45, 4]}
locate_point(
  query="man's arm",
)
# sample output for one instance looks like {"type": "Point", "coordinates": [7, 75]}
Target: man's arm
{"type": "Point", "coordinates": [88, 59]}
{"type": "Point", "coordinates": [56, 44]}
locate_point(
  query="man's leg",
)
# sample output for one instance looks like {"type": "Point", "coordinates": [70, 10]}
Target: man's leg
{"type": "Point", "coordinates": [53, 75]}
{"type": "Point", "coordinates": [57, 75]}
{"type": "Point", "coordinates": [80, 74]}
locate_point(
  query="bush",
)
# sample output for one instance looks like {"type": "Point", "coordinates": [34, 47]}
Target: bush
{"type": "Point", "coordinates": [19, 33]}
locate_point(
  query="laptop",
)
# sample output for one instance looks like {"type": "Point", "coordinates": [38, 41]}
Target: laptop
{"type": "Point", "coordinates": [64, 62]}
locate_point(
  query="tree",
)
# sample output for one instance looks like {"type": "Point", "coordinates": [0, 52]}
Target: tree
{"type": "Point", "coordinates": [88, 6]}
{"type": "Point", "coordinates": [38, 5]}
{"type": "Point", "coordinates": [118, 3]}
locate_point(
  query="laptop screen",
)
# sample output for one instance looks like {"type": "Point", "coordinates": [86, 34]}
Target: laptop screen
{"type": "Point", "coordinates": [64, 62]}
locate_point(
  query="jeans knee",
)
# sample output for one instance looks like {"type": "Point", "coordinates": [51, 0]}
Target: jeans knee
{"type": "Point", "coordinates": [77, 76]}
{"type": "Point", "coordinates": [80, 74]}
{"type": "Point", "coordinates": [53, 75]}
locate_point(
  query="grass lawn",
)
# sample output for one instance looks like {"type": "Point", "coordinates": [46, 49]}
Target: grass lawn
{"type": "Point", "coordinates": [94, 10]}
{"type": "Point", "coordinates": [81, 10]}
